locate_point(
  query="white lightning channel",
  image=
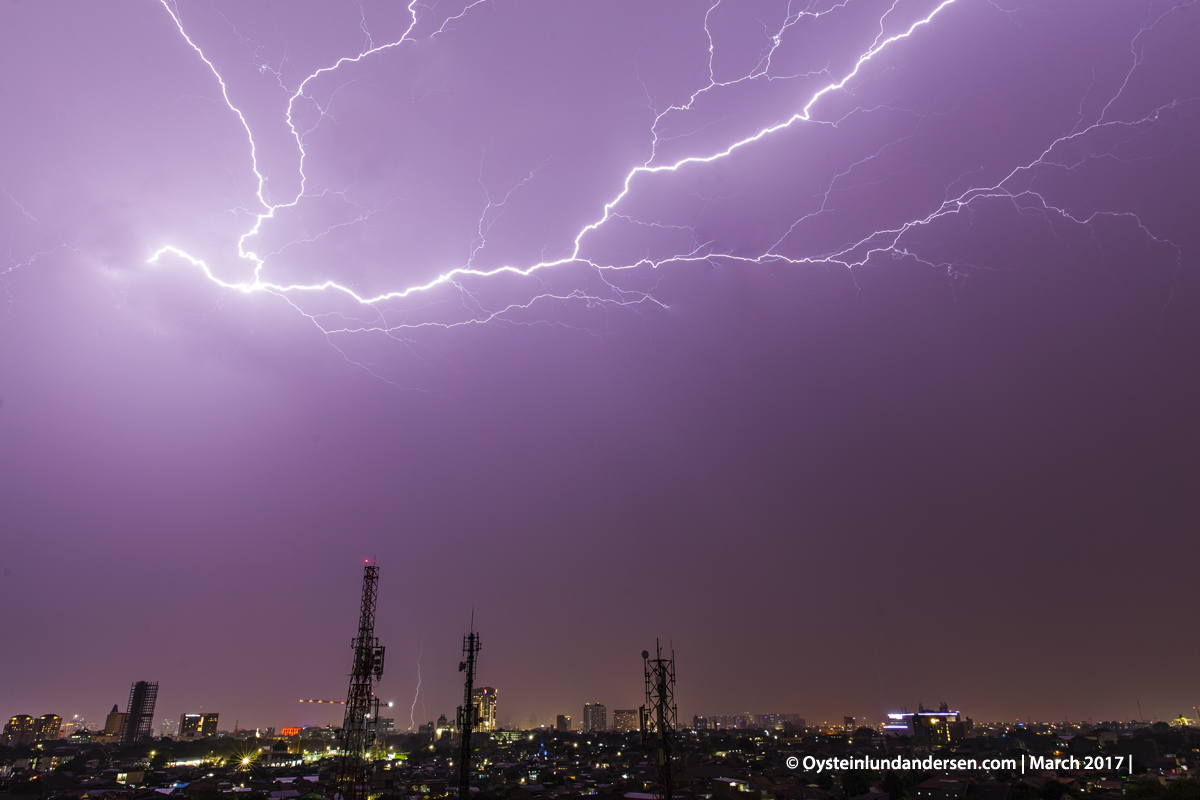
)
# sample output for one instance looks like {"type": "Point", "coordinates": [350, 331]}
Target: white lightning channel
{"type": "Point", "coordinates": [449, 276]}
{"type": "Point", "coordinates": [1010, 188]}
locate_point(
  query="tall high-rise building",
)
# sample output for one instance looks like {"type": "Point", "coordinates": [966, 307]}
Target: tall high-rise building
{"type": "Point", "coordinates": [139, 714]}
{"type": "Point", "coordinates": [19, 730]}
{"type": "Point", "coordinates": [562, 723]}
{"type": "Point", "coordinates": [595, 717]}
{"type": "Point", "coordinates": [197, 726]}
{"type": "Point", "coordinates": [114, 723]}
{"type": "Point", "coordinates": [484, 700]}
{"type": "Point", "coordinates": [625, 720]}
{"type": "Point", "coordinates": [48, 727]}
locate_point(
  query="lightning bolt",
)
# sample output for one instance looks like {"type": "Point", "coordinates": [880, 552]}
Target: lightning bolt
{"type": "Point", "coordinates": [1016, 187]}
{"type": "Point", "coordinates": [412, 722]}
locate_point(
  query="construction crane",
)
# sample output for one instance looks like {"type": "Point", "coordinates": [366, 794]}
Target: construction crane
{"type": "Point", "coordinates": [335, 702]}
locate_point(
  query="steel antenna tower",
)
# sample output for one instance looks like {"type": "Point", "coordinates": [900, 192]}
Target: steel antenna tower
{"type": "Point", "coordinates": [467, 716]}
{"type": "Point", "coordinates": [659, 718]}
{"type": "Point", "coordinates": [360, 699]}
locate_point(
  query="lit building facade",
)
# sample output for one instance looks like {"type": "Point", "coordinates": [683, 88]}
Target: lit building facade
{"type": "Point", "coordinates": [114, 723]}
{"type": "Point", "coordinates": [484, 700]}
{"type": "Point", "coordinates": [19, 730]}
{"type": "Point", "coordinates": [48, 727]}
{"type": "Point", "coordinates": [625, 720]}
{"type": "Point", "coordinates": [24, 729]}
{"type": "Point", "coordinates": [595, 717]}
{"type": "Point", "coordinates": [197, 726]}
{"type": "Point", "coordinates": [941, 727]}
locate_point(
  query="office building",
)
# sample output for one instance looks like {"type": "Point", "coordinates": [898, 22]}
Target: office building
{"type": "Point", "coordinates": [484, 700]}
{"type": "Point", "coordinates": [925, 726]}
{"type": "Point", "coordinates": [19, 730]}
{"type": "Point", "coordinates": [114, 723]}
{"type": "Point", "coordinates": [562, 723]}
{"type": "Point", "coordinates": [47, 727]}
{"type": "Point", "coordinates": [197, 726]}
{"type": "Point", "coordinates": [625, 720]}
{"type": "Point", "coordinates": [595, 717]}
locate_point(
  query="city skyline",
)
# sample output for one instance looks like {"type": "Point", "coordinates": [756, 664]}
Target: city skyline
{"type": "Point", "coordinates": [849, 350]}
{"type": "Point", "coordinates": [206, 723]}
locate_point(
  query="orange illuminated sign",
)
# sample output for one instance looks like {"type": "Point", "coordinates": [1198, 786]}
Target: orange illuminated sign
{"type": "Point", "coordinates": [290, 731]}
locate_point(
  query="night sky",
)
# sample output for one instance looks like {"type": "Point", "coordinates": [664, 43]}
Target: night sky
{"type": "Point", "coordinates": [851, 347]}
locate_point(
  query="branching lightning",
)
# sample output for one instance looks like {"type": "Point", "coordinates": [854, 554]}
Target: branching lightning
{"type": "Point", "coordinates": [21, 251]}
{"type": "Point", "coordinates": [1015, 187]}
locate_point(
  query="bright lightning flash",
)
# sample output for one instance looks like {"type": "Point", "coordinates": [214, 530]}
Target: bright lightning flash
{"type": "Point", "coordinates": [1014, 187]}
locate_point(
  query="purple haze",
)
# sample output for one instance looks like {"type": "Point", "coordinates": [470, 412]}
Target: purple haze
{"type": "Point", "coordinates": [866, 381]}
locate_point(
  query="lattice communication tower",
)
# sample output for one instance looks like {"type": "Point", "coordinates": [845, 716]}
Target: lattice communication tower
{"type": "Point", "coordinates": [361, 704]}
{"type": "Point", "coordinates": [659, 722]}
{"type": "Point", "coordinates": [467, 714]}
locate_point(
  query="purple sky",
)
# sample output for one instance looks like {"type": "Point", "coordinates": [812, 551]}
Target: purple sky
{"type": "Point", "coordinates": [851, 346]}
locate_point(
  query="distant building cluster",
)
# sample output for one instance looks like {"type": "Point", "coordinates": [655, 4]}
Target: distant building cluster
{"type": "Point", "coordinates": [742, 722]}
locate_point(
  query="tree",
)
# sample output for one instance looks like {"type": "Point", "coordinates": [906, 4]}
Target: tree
{"type": "Point", "coordinates": [857, 781]}
{"type": "Point", "coordinates": [1052, 790]}
{"type": "Point", "coordinates": [1023, 791]}
{"type": "Point", "coordinates": [893, 784]}
{"type": "Point", "coordinates": [1150, 789]}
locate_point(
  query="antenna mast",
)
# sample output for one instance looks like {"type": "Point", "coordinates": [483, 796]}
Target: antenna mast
{"type": "Point", "coordinates": [659, 721]}
{"type": "Point", "coordinates": [361, 703]}
{"type": "Point", "coordinates": [467, 716]}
